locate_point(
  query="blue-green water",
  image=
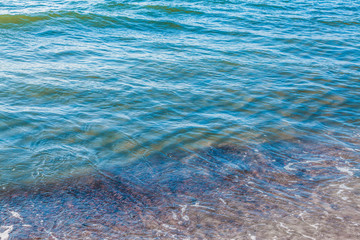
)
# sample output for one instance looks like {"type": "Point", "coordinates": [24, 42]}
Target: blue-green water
{"type": "Point", "coordinates": [111, 87]}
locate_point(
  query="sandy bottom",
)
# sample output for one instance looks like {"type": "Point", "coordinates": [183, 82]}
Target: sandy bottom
{"type": "Point", "coordinates": [284, 190]}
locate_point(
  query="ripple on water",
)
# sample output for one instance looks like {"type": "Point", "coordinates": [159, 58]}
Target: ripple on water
{"type": "Point", "coordinates": [179, 119]}
{"type": "Point", "coordinates": [299, 189]}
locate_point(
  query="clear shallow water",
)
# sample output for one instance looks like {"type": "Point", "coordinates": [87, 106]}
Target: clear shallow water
{"type": "Point", "coordinates": [252, 102]}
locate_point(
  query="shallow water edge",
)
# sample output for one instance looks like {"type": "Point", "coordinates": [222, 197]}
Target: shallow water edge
{"type": "Point", "coordinates": [226, 191]}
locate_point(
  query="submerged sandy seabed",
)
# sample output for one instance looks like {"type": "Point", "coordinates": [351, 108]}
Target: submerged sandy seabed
{"type": "Point", "coordinates": [285, 190]}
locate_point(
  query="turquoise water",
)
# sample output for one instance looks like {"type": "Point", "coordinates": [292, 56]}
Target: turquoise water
{"type": "Point", "coordinates": [257, 94]}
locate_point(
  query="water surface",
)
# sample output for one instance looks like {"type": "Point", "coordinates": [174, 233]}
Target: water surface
{"type": "Point", "coordinates": [182, 119]}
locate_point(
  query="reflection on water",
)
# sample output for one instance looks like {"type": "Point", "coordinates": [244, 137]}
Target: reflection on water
{"type": "Point", "coordinates": [290, 189]}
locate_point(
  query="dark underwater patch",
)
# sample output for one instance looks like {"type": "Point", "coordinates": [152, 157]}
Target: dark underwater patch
{"type": "Point", "coordinates": [220, 192]}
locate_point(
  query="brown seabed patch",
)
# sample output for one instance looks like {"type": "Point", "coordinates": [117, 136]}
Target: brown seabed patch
{"type": "Point", "coordinates": [285, 190]}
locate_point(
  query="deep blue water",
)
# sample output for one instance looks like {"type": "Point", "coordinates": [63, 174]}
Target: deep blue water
{"type": "Point", "coordinates": [263, 96]}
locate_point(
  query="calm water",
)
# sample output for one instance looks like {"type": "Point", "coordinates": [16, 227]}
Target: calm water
{"type": "Point", "coordinates": [180, 119]}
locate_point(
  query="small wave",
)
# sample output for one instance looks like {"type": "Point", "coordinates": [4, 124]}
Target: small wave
{"type": "Point", "coordinates": [22, 19]}
{"type": "Point", "coordinates": [8, 20]}
{"type": "Point", "coordinates": [172, 10]}
{"type": "Point", "coordinates": [86, 19]}
{"type": "Point", "coordinates": [338, 23]}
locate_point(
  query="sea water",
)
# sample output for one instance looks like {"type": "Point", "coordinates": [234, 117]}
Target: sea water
{"type": "Point", "coordinates": [180, 119]}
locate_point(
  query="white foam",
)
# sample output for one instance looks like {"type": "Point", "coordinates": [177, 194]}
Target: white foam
{"type": "Point", "coordinates": [183, 215]}
{"type": "Point", "coordinates": [52, 235]}
{"type": "Point", "coordinates": [343, 186]}
{"type": "Point", "coordinates": [345, 170]}
{"type": "Point", "coordinates": [201, 206]}
{"type": "Point", "coordinates": [311, 225]}
{"type": "Point", "coordinates": [6, 234]}
{"type": "Point", "coordinates": [174, 216]}
{"type": "Point", "coordinates": [168, 226]}
{"type": "Point", "coordinates": [16, 215]}
{"type": "Point", "coordinates": [306, 236]}
{"type": "Point", "coordinates": [289, 168]}
{"type": "Point", "coordinates": [287, 229]}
